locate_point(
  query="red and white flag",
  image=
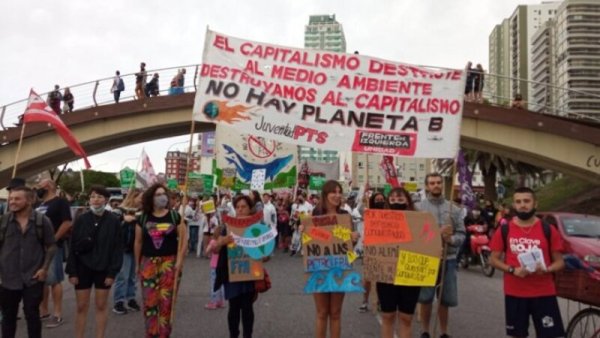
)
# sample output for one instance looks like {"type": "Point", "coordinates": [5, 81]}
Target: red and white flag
{"type": "Point", "coordinates": [146, 175]}
{"type": "Point", "coordinates": [38, 111]}
{"type": "Point", "coordinates": [389, 171]}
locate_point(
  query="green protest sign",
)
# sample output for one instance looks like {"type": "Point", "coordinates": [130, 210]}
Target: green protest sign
{"type": "Point", "coordinates": [127, 177]}
{"type": "Point", "coordinates": [172, 184]}
{"type": "Point", "coordinates": [316, 182]}
{"type": "Point", "coordinates": [207, 182]}
{"type": "Point", "coordinates": [386, 189]}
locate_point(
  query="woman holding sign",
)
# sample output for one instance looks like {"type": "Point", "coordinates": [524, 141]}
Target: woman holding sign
{"type": "Point", "coordinates": [329, 304]}
{"type": "Point", "coordinates": [241, 295]}
{"type": "Point", "coordinates": [159, 253]}
{"type": "Point", "coordinates": [397, 301]}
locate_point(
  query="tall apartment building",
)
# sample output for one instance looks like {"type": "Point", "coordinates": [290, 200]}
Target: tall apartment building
{"type": "Point", "coordinates": [578, 57]}
{"type": "Point", "coordinates": [176, 162]}
{"type": "Point", "coordinates": [522, 25]}
{"type": "Point", "coordinates": [543, 66]}
{"type": "Point", "coordinates": [366, 169]}
{"type": "Point", "coordinates": [323, 32]}
{"type": "Point", "coordinates": [499, 57]}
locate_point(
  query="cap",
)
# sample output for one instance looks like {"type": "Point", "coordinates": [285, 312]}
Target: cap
{"type": "Point", "coordinates": [15, 182]}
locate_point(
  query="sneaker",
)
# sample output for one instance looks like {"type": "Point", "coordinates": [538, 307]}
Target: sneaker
{"type": "Point", "coordinates": [363, 308]}
{"type": "Point", "coordinates": [425, 335]}
{"type": "Point", "coordinates": [221, 304]}
{"type": "Point", "coordinates": [119, 308]}
{"type": "Point", "coordinates": [45, 317]}
{"type": "Point", "coordinates": [133, 305]}
{"type": "Point", "coordinates": [55, 322]}
{"type": "Point", "coordinates": [211, 306]}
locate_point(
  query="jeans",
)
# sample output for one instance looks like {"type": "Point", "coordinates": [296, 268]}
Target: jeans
{"type": "Point", "coordinates": [117, 95]}
{"type": "Point", "coordinates": [216, 297]}
{"type": "Point", "coordinates": [125, 281]}
{"type": "Point", "coordinates": [241, 304]}
{"type": "Point", "coordinates": [193, 242]}
{"type": "Point", "coordinates": [9, 301]}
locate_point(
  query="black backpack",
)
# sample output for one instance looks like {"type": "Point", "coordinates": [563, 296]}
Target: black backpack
{"type": "Point", "coordinates": [39, 227]}
{"type": "Point", "coordinates": [121, 85]}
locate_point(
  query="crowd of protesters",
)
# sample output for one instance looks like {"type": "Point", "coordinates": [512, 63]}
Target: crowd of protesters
{"type": "Point", "coordinates": [141, 241]}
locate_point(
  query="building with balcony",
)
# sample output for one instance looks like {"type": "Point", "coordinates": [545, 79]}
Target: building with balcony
{"type": "Point", "coordinates": [176, 162]}
{"type": "Point", "coordinates": [543, 67]}
{"type": "Point", "coordinates": [499, 64]}
{"type": "Point", "coordinates": [578, 57]}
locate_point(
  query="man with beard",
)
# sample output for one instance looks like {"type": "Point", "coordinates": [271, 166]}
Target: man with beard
{"type": "Point", "coordinates": [529, 292]}
{"type": "Point", "coordinates": [26, 250]}
{"type": "Point", "coordinates": [448, 217]}
{"type": "Point", "coordinates": [58, 211]}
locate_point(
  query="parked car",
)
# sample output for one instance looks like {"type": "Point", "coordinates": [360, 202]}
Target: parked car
{"type": "Point", "coordinates": [581, 234]}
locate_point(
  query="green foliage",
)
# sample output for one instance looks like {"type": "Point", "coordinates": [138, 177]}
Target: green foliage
{"type": "Point", "coordinates": [555, 194]}
{"type": "Point", "coordinates": [70, 181]}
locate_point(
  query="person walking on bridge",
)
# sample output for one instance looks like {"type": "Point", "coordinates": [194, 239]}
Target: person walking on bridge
{"type": "Point", "coordinates": [140, 81]}
{"type": "Point", "coordinates": [117, 87]}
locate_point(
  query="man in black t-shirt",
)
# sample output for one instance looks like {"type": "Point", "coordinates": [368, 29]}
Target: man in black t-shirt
{"type": "Point", "coordinates": [57, 209]}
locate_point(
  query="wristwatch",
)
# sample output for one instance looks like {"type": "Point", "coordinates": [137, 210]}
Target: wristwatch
{"type": "Point", "coordinates": [511, 270]}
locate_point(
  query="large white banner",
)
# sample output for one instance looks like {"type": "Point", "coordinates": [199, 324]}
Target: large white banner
{"type": "Point", "coordinates": [328, 100]}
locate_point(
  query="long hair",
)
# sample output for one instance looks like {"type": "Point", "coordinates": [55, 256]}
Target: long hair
{"type": "Point", "coordinates": [402, 191]}
{"type": "Point", "coordinates": [129, 201]}
{"type": "Point", "coordinates": [328, 188]}
{"type": "Point", "coordinates": [148, 198]}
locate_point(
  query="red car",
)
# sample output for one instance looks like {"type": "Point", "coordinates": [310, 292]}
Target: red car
{"type": "Point", "coordinates": [581, 234]}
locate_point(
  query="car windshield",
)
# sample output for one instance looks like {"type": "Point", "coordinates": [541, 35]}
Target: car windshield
{"type": "Point", "coordinates": [581, 226]}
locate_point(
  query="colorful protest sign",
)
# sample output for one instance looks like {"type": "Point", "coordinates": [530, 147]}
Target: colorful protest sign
{"type": "Point", "coordinates": [328, 255]}
{"type": "Point", "coordinates": [316, 182]}
{"type": "Point", "coordinates": [208, 206]}
{"type": "Point", "coordinates": [241, 154]}
{"type": "Point", "coordinates": [253, 240]}
{"type": "Point", "coordinates": [195, 184]}
{"type": "Point", "coordinates": [172, 184]}
{"type": "Point", "coordinates": [258, 179]}
{"type": "Point", "coordinates": [127, 177]}
{"type": "Point", "coordinates": [207, 147]}
{"type": "Point", "coordinates": [327, 170]}
{"type": "Point", "coordinates": [227, 179]}
{"type": "Point", "coordinates": [328, 100]}
{"type": "Point", "coordinates": [401, 247]}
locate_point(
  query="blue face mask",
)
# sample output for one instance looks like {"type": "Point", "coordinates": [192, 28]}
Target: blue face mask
{"type": "Point", "coordinates": [98, 210]}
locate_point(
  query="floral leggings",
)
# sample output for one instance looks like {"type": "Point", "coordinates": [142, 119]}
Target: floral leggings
{"type": "Point", "coordinates": [157, 279]}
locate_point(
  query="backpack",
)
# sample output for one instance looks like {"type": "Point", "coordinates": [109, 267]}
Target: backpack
{"type": "Point", "coordinates": [545, 228]}
{"type": "Point", "coordinates": [39, 227]}
{"type": "Point", "coordinates": [121, 85]}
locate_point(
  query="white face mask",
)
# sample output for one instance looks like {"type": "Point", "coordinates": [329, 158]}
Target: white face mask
{"type": "Point", "coordinates": [98, 210]}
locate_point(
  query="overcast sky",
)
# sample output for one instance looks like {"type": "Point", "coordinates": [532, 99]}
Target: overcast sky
{"type": "Point", "coordinates": [69, 42]}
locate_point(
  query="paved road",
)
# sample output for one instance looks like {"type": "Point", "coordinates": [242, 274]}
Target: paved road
{"type": "Point", "coordinates": [285, 311]}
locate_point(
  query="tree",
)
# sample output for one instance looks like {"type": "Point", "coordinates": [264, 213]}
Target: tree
{"type": "Point", "coordinates": [70, 182]}
{"type": "Point", "coordinates": [491, 165]}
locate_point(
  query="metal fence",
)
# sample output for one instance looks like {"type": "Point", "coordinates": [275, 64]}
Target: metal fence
{"type": "Point", "coordinates": [96, 93]}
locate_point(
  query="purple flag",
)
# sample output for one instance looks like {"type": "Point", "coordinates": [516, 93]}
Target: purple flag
{"type": "Point", "coordinates": [464, 179]}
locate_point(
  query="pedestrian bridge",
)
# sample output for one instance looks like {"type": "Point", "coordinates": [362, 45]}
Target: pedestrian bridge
{"type": "Point", "coordinates": [564, 145]}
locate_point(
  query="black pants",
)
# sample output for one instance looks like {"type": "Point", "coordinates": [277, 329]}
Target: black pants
{"type": "Point", "coordinates": [241, 304]}
{"type": "Point", "coordinates": [10, 299]}
{"type": "Point", "coordinates": [117, 95]}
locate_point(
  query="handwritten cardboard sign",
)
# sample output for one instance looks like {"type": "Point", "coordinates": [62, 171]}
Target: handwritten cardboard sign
{"type": "Point", "coordinates": [412, 255]}
{"type": "Point", "coordinates": [242, 266]}
{"type": "Point", "coordinates": [328, 255]}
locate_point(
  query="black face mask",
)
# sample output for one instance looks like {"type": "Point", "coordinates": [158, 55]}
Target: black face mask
{"type": "Point", "coordinates": [41, 193]}
{"type": "Point", "coordinates": [378, 205]}
{"type": "Point", "coordinates": [398, 206]}
{"type": "Point", "coordinates": [525, 215]}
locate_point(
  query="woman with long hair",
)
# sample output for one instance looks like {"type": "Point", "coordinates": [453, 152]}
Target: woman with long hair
{"type": "Point", "coordinates": [96, 254]}
{"type": "Point", "coordinates": [329, 304]}
{"type": "Point", "coordinates": [241, 295]}
{"type": "Point", "coordinates": [397, 301]}
{"type": "Point", "coordinates": [160, 245]}
{"type": "Point", "coordinates": [125, 284]}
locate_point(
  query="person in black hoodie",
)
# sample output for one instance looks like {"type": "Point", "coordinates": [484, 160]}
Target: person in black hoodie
{"type": "Point", "coordinates": [96, 255]}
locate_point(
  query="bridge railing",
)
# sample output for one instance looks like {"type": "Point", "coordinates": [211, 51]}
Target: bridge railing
{"type": "Point", "coordinates": [97, 92]}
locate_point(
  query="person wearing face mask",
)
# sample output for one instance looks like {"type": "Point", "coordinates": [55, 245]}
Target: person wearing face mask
{"type": "Point", "coordinates": [95, 258]}
{"type": "Point", "coordinates": [57, 209]}
{"type": "Point", "coordinates": [159, 248]}
{"type": "Point", "coordinates": [474, 217]}
{"type": "Point", "coordinates": [377, 201]}
{"type": "Point", "coordinates": [452, 228]}
{"type": "Point", "coordinates": [529, 293]}
{"type": "Point", "coordinates": [397, 302]}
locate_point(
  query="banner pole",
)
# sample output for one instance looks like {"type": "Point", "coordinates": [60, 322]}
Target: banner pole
{"type": "Point", "coordinates": [14, 173]}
